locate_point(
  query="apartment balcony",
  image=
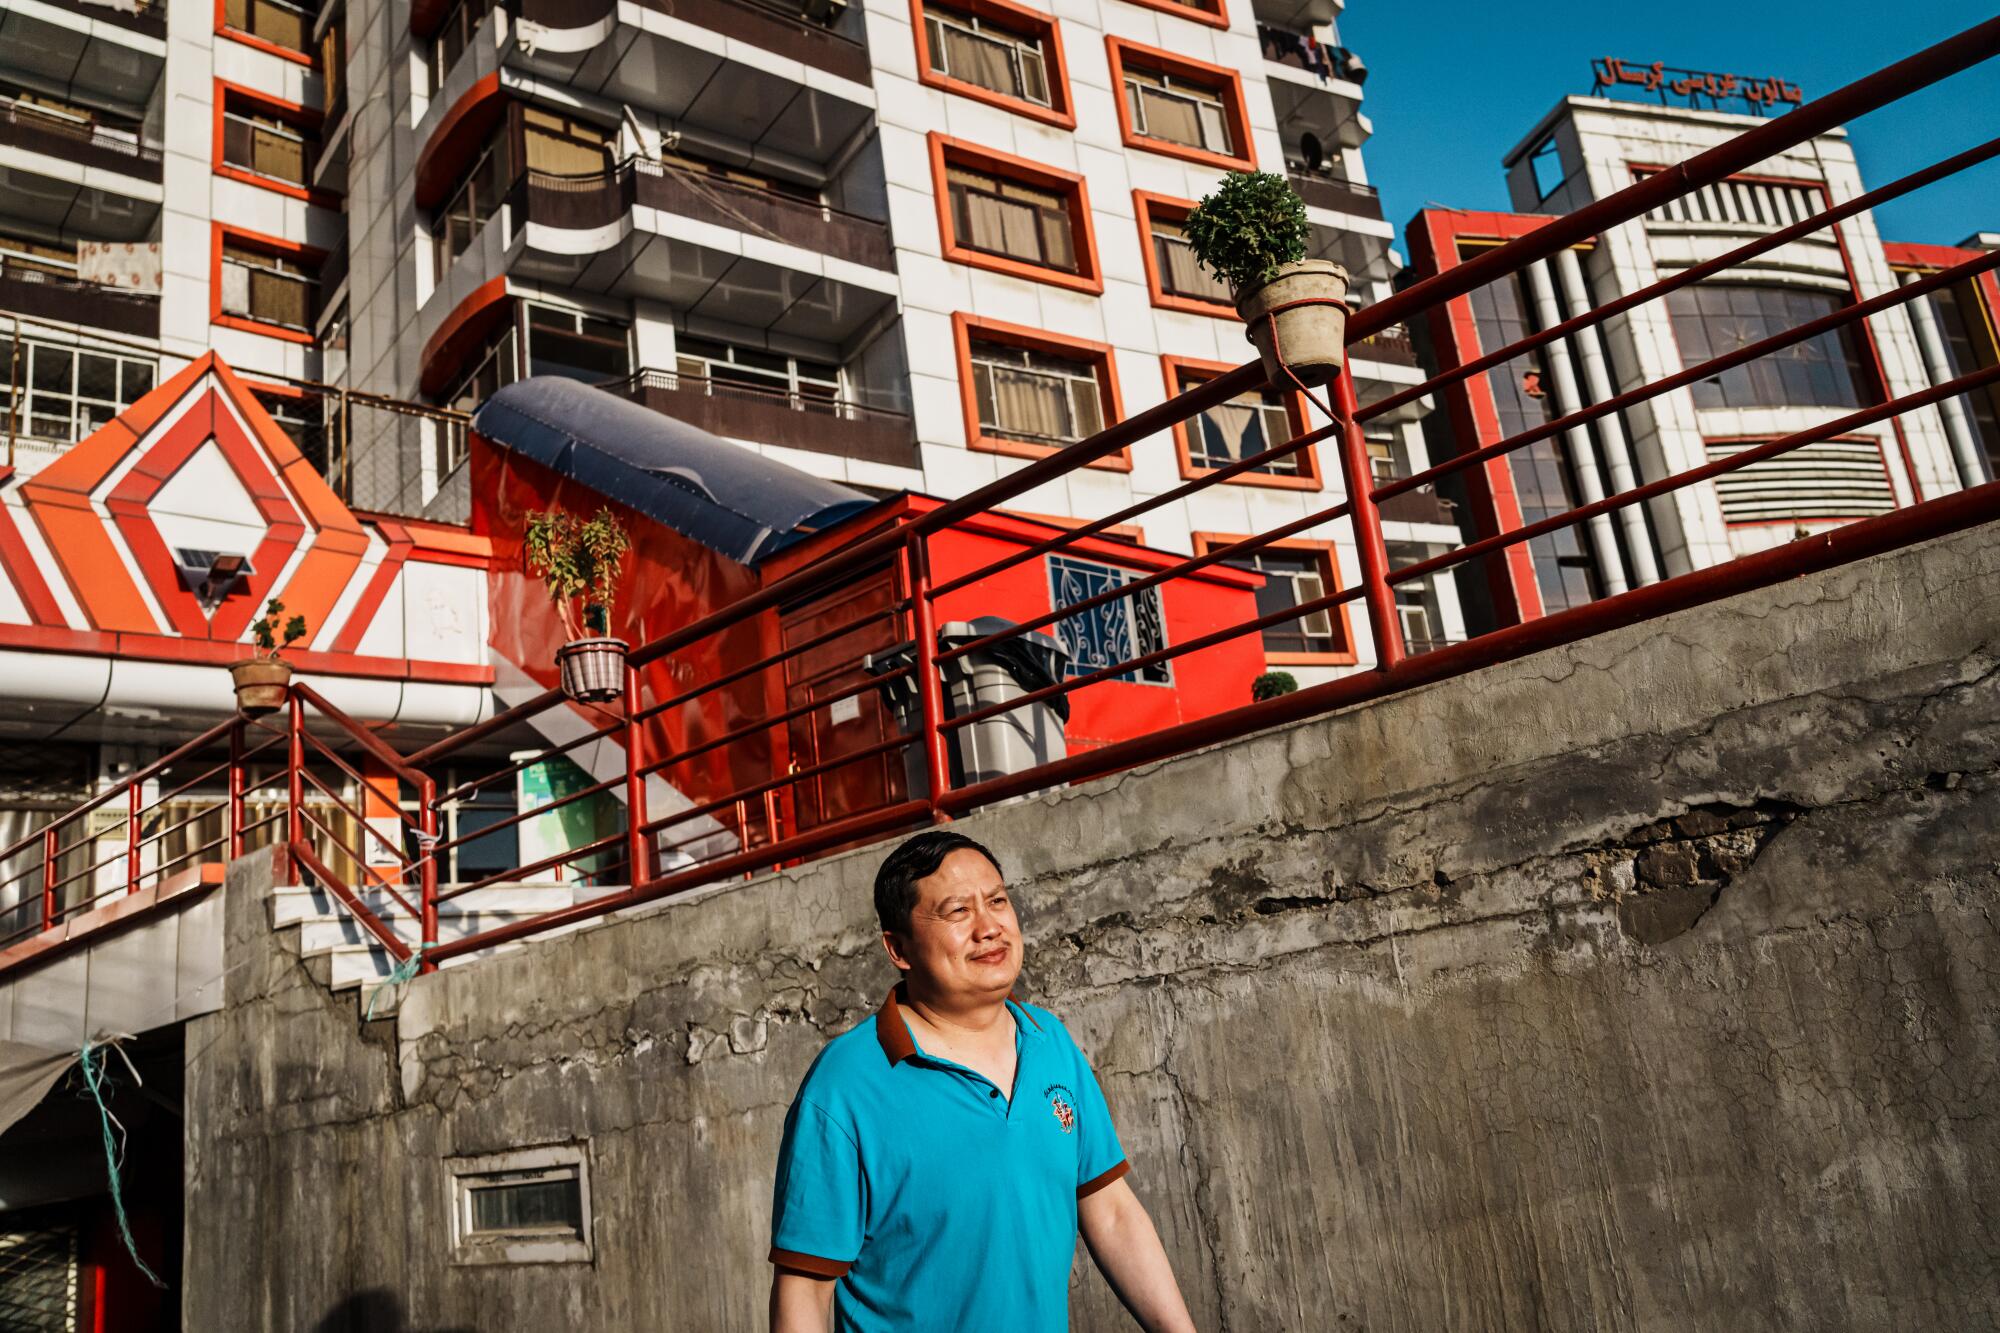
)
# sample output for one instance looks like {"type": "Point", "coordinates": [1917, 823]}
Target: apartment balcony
{"type": "Point", "coordinates": [100, 54]}
{"type": "Point", "coordinates": [1336, 195]}
{"type": "Point", "coordinates": [1295, 13]}
{"type": "Point", "coordinates": [1422, 505]}
{"type": "Point", "coordinates": [773, 416]}
{"type": "Point", "coordinates": [70, 139]}
{"type": "Point", "coordinates": [75, 176]}
{"type": "Point", "coordinates": [36, 293]}
{"type": "Point", "coordinates": [710, 246]}
{"type": "Point", "coordinates": [755, 73]}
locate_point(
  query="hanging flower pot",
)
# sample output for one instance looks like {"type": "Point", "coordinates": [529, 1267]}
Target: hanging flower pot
{"type": "Point", "coordinates": [578, 561]}
{"type": "Point", "coordinates": [262, 685]}
{"type": "Point", "coordinates": [264, 682]}
{"type": "Point", "coordinates": [1299, 320]}
{"type": "Point", "coordinates": [1251, 232]}
{"type": "Point", "coordinates": [593, 670]}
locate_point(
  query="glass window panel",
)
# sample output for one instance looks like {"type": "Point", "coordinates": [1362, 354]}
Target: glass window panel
{"type": "Point", "coordinates": [540, 1205]}
{"type": "Point", "coordinates": [51, 367]}
{"type": "Point", "coordinates": [96, 377]}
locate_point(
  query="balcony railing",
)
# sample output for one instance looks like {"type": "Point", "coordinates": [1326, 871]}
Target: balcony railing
{"type": "Point", "coordinates": [774, 416]}
{"type": "Point", "coordinates": [37, 293]}
{"type": "Point", "coordinates": [1392, 345]}
{"type": "Point", "coordinates": [1342, 196]}
{"type": "Point", "coordinates": [76, 139]}
{"type": "Point", "coordinates": [588, 202]}
{"type": "Point", "coordinates": [147, 16]}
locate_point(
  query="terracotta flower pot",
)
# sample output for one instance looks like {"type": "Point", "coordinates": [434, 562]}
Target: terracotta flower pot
{"type": "Point", "coordinates": [262, 685]}
{"type": "Point", "coordinates": [1311, 338]}
{"type": "Point", "coordinates": [593, 670]}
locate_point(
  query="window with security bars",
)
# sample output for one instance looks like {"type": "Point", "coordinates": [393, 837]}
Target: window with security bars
{"type": "Point", "coordinates": [1005, 217]}
{"type": "Point", "coordinates": [62, 394]}
{"type": "Point", "coordinates": [1713, 319]}
{"type": "Point", "coordinates": [1035, 397]}
{"type": "Point", "coordinates": [274, 21]}
{"type": "Point", "coordinates": [1164, 106]}
{"type": "Point", "coordinates": [258, 142]}
{"type": "Point", "coordinates": [968, 48]}
{"type": "Point", "coordinates": [1116, 630]}
{"type": "Point", "coordinates": [1295, 578]}
{"type": "Point", "coordinates": [1180, 274]}
{"type": "Point", "coordinates": [266, 287]}
{"type": "Point", "coordinates": [1241, 428]}
{"type": "Point", "coordinates": [38, 1280]}
{"type": "Point", "coordinates": [1831, 480]}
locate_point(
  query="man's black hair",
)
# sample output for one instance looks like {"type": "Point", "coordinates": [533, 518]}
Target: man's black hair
{"type": "Point", "coordinates": [919, 858]}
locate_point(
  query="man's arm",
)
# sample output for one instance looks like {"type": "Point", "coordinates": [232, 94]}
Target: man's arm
{"type": "Point", "coordinates": [801, 1304]}
{"type": "Point", "coordinates": [1128, 1252]}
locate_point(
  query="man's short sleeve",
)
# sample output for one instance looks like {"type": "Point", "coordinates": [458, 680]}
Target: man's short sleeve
{"type": "Point", "coordinates": [816, 1218]}
{"type": "Point", "coordinates": [1100, 1158]}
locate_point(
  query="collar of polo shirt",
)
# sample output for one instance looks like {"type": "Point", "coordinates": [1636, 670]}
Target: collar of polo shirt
{"type": "Point", "coordinates": [894, 1033]}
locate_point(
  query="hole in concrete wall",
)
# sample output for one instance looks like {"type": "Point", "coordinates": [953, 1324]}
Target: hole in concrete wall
{"type": "Point", "coordinates": [528, 1206]}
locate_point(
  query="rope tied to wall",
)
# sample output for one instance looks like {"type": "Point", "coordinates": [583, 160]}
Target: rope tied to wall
{"type": "Point", "coordinates": [97, 1077]}
{"type": "Point", "coordinates": [401, 974]}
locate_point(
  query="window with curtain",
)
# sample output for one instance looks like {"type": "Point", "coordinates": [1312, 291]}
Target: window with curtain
{"type": "Point", "coordinates": [1035, 397]}
{"type": "Point", "coordinates": [269, 288]}
{"type": "Point", "coordinates": [1189, 114]}
{"type": "Point", "coordinates": [1180, 275]}
{"type": "Point", "coordinates": [274, 21]}
{"type": "Point", "coordinates": [1712, 319]}
{"type": "Point", "coordinates": [966, 47]}
{"type": "Point", "coordinates": [565, 146]}
{"type": "Point", "coordinates": [1294, 578]}
{"type": "Point", "coordinates": [259, 142]}
{"type": "Point", "coordinates": [1005, 217]}
{"type": "Point", "coordinates": [1241, 428]}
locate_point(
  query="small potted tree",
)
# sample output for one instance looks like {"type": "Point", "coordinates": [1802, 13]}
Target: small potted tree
{"type": "Point", "coordinates": [264, 681]}
{"type": "Point", "coordinates": [1251, 233]}
{"type": "Point", "coordinates": [578, 562]}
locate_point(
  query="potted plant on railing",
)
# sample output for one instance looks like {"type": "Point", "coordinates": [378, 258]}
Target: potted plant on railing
{"type": "Point", "coordinates": [578, 562]}
{"type": "Point", "coordinates": [264, 681]}
{"type": "Point", "coordinates": [1251, 233]}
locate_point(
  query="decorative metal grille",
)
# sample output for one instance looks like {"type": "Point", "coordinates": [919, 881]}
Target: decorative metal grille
{"type": "Point", "coordinates": [1110, 632]}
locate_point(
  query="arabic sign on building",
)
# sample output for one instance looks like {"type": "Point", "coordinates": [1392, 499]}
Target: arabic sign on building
{"type": "Point", "coordinates": [1696, 88]}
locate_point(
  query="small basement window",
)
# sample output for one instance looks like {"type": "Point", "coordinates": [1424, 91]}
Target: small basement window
{"type": "Point", "coordinates": [530, 1206]}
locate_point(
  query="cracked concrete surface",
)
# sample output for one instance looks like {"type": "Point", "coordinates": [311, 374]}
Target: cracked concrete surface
{"type": "Point", "coordinates": [1647, 983]}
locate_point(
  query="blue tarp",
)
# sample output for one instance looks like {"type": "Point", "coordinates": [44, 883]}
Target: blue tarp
{"type": "Point", "coordinates": [728, 498]}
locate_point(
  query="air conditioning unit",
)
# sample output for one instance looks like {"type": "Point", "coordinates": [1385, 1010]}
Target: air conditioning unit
{"type": "Point", "coordinates": [826, 12]}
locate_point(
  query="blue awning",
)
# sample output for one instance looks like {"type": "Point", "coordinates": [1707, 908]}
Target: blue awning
{"type": "Point", "coordinates": [728, 498]}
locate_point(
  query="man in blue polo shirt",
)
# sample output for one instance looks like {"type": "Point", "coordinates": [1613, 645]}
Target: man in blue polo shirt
{"type": "Point", "coordinates": [941, 1157]}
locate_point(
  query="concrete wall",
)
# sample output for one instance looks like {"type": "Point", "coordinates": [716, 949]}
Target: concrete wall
{"type": "Point", "coordinates": [1645, 984]}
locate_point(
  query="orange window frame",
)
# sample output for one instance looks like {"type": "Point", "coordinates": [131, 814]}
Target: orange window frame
{"type": "Point", "coordinates": [222, 29]}
{"type": "Point", "coordinates": [300, 117]}
{"type": "Point", "coordinates": [1329, 573]}
{"type": "Point", "coordinates": [1226, 83]}
{"type": "Point", "coordinates": [965, 327]}
{"type": "Point", "coordinates": [1145, 207]}
{"type": "Point", "coordinates": [1309, 477]}
{"type": "Point", "coordinates": [306, 256]}
{"type": "Point", "coordinates": [1214, 18]}
{"type": "Point", "coordinates": [947, 152]}
{"type": "Point", "coordinates": [1022, 21]}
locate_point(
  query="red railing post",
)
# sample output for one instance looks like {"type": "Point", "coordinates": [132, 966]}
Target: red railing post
{"type": "Point", "coordinates": [638, 842]}
{"type": "Point", "coordinates": [133, 795]}
{"type": "Point", "coordinates": [1372, 552]}
{"type": "Point", "coordinates": [916, 564]}
{"type": "Point", "coordinates": [236, 790]}
{"type": "Point", "coordinates": [296, 771]}
{"type": "Point", "coordinates": [427, 870]}
{"type": "Point", "coordinates": [51, 850]}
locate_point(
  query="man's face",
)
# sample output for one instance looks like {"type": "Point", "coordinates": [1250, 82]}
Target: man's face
{"type": "Point", "coordinates": [964, 939]}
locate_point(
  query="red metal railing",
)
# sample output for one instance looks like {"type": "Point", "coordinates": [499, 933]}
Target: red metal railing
{"type": "Point", "coordinates": [720, 820]}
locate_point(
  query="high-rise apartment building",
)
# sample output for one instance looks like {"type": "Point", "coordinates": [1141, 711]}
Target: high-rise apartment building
{"type": "Point", "coordinates": [1592, 146]}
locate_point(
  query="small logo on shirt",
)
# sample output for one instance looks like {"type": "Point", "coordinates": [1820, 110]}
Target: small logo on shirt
{"type": "Point", "coordinates": [1063, 1102]}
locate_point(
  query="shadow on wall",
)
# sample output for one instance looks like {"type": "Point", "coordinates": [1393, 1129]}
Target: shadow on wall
{"type": "Point", "coordinates": [374, 1311]}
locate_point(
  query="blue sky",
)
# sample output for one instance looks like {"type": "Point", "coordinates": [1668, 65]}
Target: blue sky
{"type": "Point", "coordinates": [1453, 85]}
